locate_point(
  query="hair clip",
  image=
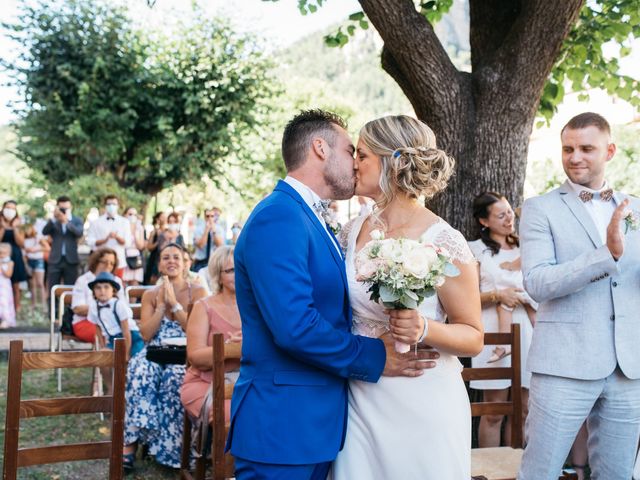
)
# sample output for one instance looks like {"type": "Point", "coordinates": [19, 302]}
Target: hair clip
{"type": "Point", "coordinates": [396, 154]}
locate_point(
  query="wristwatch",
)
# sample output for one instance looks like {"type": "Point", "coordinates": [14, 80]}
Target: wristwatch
{"type": "Point", "coordinates": [177, 308]}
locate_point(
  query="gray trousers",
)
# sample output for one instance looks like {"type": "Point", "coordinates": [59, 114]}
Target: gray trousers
{"type": "Point", "coordinates": [557, 408]}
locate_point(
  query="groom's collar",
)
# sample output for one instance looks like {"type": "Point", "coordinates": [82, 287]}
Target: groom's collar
{"type": "Point", "coordinates": [308, 195]}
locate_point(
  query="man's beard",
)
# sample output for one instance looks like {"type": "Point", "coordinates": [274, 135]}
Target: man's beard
{"type": "Point", "coordinates": [342, 186]}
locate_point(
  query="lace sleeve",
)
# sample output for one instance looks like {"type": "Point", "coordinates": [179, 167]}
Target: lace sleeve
{"type": "Point", "coordinates": [453, 241]}
{"type": "Point", "coordinates": [345, 231]}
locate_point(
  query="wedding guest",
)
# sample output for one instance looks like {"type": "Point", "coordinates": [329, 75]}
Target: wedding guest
{"type": "Point", "coordinates": [64, 229]}
{"type": "Point", "coordinates": [217, 313]}
{"type": "Point", "coordinates": [208, 236]}
{"type": "Point", "coordinates": [583, 268]}
{"type": "Point", "coordinates": [134, 276]}
{"type": "Point", "coordinates": [7, 308]}
{"type": "Point", "coordinates": [154, 413]}
{"type": "Point", "coordinates": [34, 249]}
{"type": "Point", "coordinates": [236, 228]}
{"type": "Point", "coordinates": [101, 260]}
{"type": "Point", "coordinates": [10, 233]}
{"type": "Point", "coordinates": [151, 271]}
{"type": "Point", "coordinates": [111, 230]}
{"type": "Point", "coordinates": [171, 233]}
{"type": "Point", "coordinates": [498, 254]}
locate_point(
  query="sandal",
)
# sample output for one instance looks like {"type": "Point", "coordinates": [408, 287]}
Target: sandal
{"type": "Point", "coordinates": [498, 354]}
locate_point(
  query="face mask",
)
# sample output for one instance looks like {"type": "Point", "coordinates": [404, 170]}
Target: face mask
{"type": "Point", "coordinates": [5, 259]}
{"type": "Point", "coordinates": [112, 209]}
{"type": "Point", "coordinates": [9, 213]}
{"type": "Point", "coordinates": [235, 230]}
{"type": "Point", "coordinates": [174, 227]}
{"type": "Point", "coordinates": [133, 218]}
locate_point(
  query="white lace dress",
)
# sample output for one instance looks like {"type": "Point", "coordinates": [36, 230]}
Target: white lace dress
{"type": "Point", "coordinates": [406, 428]}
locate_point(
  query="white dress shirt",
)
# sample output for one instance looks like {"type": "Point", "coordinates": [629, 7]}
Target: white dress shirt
{"type": "Point", "coordinates": [599, 210]}
{"type": "Point", "coordinates": [106, 320]}
{"type": "Point", "coordinates": [100, 229]}
{"type": "Point", "coordinates": [82, 294]}
{"type": "Point", "coordinates": [311, 198]}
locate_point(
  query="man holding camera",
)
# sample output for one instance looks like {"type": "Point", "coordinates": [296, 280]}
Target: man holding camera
{"type": "Point", "coordinates": [64, 230]}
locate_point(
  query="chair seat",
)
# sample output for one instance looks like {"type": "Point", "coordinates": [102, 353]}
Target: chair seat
{"type": "Point", "coordinates": [498, 463]}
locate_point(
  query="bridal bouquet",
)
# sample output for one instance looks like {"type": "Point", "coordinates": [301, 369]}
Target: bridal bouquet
{"type": "Point", "coordinates": [402, 272]}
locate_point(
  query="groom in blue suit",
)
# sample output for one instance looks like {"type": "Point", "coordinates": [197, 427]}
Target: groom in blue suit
{"type": "Point", "coordinates": [289, 407]}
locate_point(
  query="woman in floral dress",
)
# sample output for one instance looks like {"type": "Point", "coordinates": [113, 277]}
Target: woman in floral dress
{"type": "Point", "coordinates": [154, 413]}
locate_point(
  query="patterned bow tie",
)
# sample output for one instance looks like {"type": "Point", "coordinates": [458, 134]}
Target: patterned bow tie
{"type": "Point", "coordinates": [111, 218]}
{"type": "Point", "coordinates": [604, 195]}
{"type": "Point", "coordinates": [100, 307]}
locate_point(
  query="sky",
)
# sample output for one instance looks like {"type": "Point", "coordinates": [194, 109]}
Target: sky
{"type": "Point", "coordinates": [280, 23]}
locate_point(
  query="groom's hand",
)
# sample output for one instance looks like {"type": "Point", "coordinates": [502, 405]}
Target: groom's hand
{"type": "Point", "coordinates": [406, 364]}
{"type": "Point", "coordinates": [615, 238]}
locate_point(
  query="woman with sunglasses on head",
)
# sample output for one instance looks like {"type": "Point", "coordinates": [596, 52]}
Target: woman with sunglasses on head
{"type": "Point", "coordinates": [154, 413]}
{"type": "Point", "coordinates": [101, 260]}
{"type": "Point", "coordinates": [217, 313]}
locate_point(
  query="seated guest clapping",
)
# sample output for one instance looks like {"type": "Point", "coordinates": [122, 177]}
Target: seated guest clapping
{"type": "Point", "coordinates": [217, 313]}
{"type": "Point", "coordinates": [154, 412]}
{"type": "Point", "coordinates": [103, 259]}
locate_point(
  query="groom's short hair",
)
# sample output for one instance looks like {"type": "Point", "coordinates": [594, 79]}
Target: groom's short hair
{"type": "Point", "coordinates": [298, 134]}
{"type": "Point", "coordinates": [588, 119]}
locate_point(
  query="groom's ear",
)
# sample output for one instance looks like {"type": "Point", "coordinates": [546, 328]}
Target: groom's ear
{"type": "Point", "coordinates": [319, 147]}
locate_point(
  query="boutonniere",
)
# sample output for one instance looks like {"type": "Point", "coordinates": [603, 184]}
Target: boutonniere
{"type": "Point", "coordinates": [332, 223]}
{"type": "Point", "coordinates": [631, 221]}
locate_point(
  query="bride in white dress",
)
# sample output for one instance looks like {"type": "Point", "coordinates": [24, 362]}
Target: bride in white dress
{"type": "Point", "coordinates": [410, 428]}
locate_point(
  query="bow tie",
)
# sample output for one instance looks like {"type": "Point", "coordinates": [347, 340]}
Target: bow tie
{"type": "Point", "coordinates": [103, 306]}
{"type": "Point", "coordinates": [604, 195]}
{"type": "Point", "coordinates": [111, 218]}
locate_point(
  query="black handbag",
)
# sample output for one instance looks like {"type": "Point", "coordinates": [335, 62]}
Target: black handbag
{"type": "Point", "coordinates": [167, 354]}
{"type": "Point", "coordinates": [134, 263]}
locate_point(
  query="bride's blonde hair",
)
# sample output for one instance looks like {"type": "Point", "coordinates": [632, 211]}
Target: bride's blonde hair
{"type": "Point", "coordinates": [411, 161]}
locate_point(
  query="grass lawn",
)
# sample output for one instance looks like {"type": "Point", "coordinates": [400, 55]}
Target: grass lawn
{"type": "Point", "coordinates": [66, 429]}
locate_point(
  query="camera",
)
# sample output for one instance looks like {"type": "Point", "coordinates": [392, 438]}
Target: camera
{"type": "Point", "coordinates": [63, 210]}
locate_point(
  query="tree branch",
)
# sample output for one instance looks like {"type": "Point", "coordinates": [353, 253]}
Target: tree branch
{"type": "Point", "coordinates": [412, 53]}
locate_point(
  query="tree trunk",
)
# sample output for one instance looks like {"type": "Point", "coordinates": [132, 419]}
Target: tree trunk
{"type": "Point", "coordinates": [483, 118]}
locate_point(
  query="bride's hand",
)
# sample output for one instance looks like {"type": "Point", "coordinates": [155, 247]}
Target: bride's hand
{"type": "Point", "coordinates": [406, 364]}
{"type": "Point", "coordinates": [406, 325]}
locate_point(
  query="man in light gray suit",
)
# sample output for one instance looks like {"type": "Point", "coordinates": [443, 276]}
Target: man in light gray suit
{"type": "Point", "coordinates": [583, 268]}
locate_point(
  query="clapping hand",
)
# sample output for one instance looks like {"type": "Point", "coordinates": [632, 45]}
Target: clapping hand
{"type": "Point", "coordinates": [615, 238]}
{"type": "Point", "coordinates": [169, 292]}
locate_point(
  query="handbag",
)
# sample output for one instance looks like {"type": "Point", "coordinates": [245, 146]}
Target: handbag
{"type": "Point", "coordinates": [167, 354]}
{"type": "Point", "coordinates": [134, 262]}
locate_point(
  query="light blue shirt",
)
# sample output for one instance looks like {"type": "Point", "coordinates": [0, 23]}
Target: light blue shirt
{"type": "Point", "coordinates": [201, 253]}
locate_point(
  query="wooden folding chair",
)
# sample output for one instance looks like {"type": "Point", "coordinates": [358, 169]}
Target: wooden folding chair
{"type": "Point", "coordinates": [15, 457]}
{"type": "Point", "coordinates": [500, 463]}
{"type": "Point", "coordinates": [134, 293]}
{"type": "Point", "coordinates": [54, 297]}
{"type": "Point", "coordinates": [221, 462]}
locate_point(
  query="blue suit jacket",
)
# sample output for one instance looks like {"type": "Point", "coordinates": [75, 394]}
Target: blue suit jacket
{"type": "Point", "coordinates": [290, 402]}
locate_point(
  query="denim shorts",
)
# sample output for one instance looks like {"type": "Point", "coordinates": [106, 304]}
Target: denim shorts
{"type": "Point", "coordinates": [36, 264]}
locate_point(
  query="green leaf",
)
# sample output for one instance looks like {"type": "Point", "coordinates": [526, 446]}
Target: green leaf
{"type": "Point", "coordinates": [387, 294]}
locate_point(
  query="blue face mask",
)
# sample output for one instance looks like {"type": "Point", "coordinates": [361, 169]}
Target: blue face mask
{"type": "Point", "coordinates": [112, 209]}
{"type": "Point", "coordinates": [235, 230]}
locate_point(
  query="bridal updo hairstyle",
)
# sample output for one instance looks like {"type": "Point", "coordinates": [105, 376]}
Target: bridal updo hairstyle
{"type": "Point", "coordinates": [411, 161]}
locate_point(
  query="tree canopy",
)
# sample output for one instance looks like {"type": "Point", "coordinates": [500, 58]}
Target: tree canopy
{"type": "Point", "coordinates": [523, 54]}
{"type": "Point", "coordinates": [153, 110]}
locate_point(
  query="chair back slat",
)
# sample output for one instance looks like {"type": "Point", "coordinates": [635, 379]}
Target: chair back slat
{"type": "Point", "coordinates": [44, 360]}
{"type": "Point", "coordinates": [15, 457]}
{"type": "Point", "coordinates": [491, 373]}
{"type": "Point", "coordinates": [49, 407]}
{"type": "Point", "coordinates": [479, 409]}
{"type": "Point", "coordinates": [219, 435]}
{"type": "Point", "coordinates": [63, 453]}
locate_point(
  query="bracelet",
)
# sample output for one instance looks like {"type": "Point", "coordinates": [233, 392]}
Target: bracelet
{"type": "Point", "coordinates": [177, 308]}
{"type": "Point", "coordinates": [424, 331]}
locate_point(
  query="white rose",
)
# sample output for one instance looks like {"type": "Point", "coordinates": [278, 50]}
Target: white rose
{"type": "Point", "coordinates": [376, 234]}
{"type": "Point", "coordinates": [391, 250]}
{"type": "Point", "coordinates": [366, 269]}
{"type": "Point", "coordinates": [419, 261]}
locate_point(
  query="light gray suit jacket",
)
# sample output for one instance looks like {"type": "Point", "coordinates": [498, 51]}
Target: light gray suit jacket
{"type": "Point", "coordinates": [589, 316]}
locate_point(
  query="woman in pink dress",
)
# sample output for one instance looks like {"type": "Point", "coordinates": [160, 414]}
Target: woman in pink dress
{"type": "Point", "coordinates": [217, 313]}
